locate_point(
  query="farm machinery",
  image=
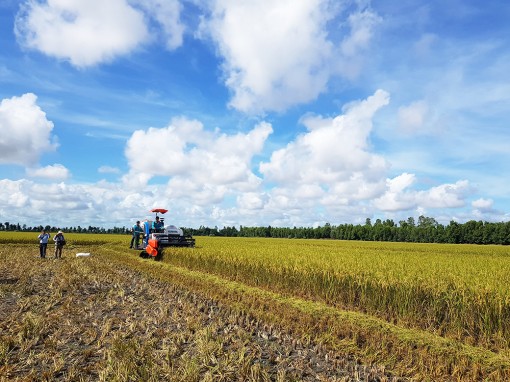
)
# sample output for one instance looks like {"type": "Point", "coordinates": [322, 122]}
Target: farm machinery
{"type": "Point", "coordinates": [157, 236]}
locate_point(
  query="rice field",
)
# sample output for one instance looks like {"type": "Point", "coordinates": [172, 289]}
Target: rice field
{"type": "Point", "coordinates": [254, 309]}
{"type": "Point", "coordinates": [459, 291]}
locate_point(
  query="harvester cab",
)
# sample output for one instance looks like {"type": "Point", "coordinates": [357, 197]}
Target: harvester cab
{"type": "Point", "coordinates": [157, 236]}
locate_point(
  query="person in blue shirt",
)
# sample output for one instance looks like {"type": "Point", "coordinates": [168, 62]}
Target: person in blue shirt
{"type": "Point", "coordinates": [157, 225]}
{"type": "Point", "coordinates": [43, 243]}
{"type": "Point", "coordinates": [137, 232]}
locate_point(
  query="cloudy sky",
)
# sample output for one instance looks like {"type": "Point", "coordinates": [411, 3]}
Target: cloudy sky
{"type": "Point", "coordinates": [256, 112]}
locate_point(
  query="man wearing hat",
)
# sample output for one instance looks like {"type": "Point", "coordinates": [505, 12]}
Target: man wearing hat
{"type": "Point", "coordinates": [59, 244]}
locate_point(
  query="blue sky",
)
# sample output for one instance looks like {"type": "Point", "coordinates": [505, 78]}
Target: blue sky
{"type": "Point", "coordinates": [288, 113]}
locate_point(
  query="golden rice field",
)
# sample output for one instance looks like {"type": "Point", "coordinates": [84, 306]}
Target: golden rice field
{"type": "Point", "coordinates": [254, 309]}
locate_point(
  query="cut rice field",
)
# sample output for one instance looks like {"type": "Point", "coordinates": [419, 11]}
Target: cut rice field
{"type": "Point", "coordinates": [254, 309]}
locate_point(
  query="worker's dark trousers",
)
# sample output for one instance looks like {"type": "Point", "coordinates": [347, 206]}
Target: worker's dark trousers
{"type": "Point", "coordinates": [58, 251]}
{"type": "Point", "coordinates": [42, 249]}
{"type": "Point", "coordinates": [135, 241]}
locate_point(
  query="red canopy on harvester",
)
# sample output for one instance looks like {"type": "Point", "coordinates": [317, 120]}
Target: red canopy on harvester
{"type": "Point", "coordinates": [160, 210]}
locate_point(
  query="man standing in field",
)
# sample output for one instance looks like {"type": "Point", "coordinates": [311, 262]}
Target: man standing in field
{"type": "Point", "coordinates": [43, 243]}
{"type": "Point", "coordinates": [137, 231]}
{"type": "Point", "coordinates": [60, 241]}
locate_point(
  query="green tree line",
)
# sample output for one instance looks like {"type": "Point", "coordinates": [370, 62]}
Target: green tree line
{"type": "Point", "coordinates": [425, 230]}
{"type": "Point", "coordinates": [90, 229]}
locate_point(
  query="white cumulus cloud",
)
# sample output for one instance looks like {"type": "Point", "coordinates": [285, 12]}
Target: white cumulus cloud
{"type": "Point", "coordinates": [95, 31]}
{"type": "Point", "coordinates": [400, 197]}
{"type": "Point", "coordinates": [334, 154]}
{"type": "Point", "coordinates": [483, 204]}
{"type": "Point", "coordinates": [25, 132]}
{"type": "Point", "coordinates": [397, 196]}
{"type": "Point", "coordinates": [198, 162]}
{"type": "Point", "coordinates": [54, 172]}
{"type": "Point", "coordinates": [329, 168]}
{"type": "Point", "coordinates": [445, 195]}
{"type": "Point", "coordinates": [278, 54]}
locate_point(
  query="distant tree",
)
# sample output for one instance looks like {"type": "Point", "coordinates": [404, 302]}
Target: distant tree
{"type": "Point", "coordinates": [389, 223]}
{"type": "Point", "coordinates": [453, 233]}
{"type": "Point", "coordinates": [425, 222]}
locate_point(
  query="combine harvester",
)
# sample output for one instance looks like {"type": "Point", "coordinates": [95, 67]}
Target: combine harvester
{"type": "Point", "coordinates": [154, 241]}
